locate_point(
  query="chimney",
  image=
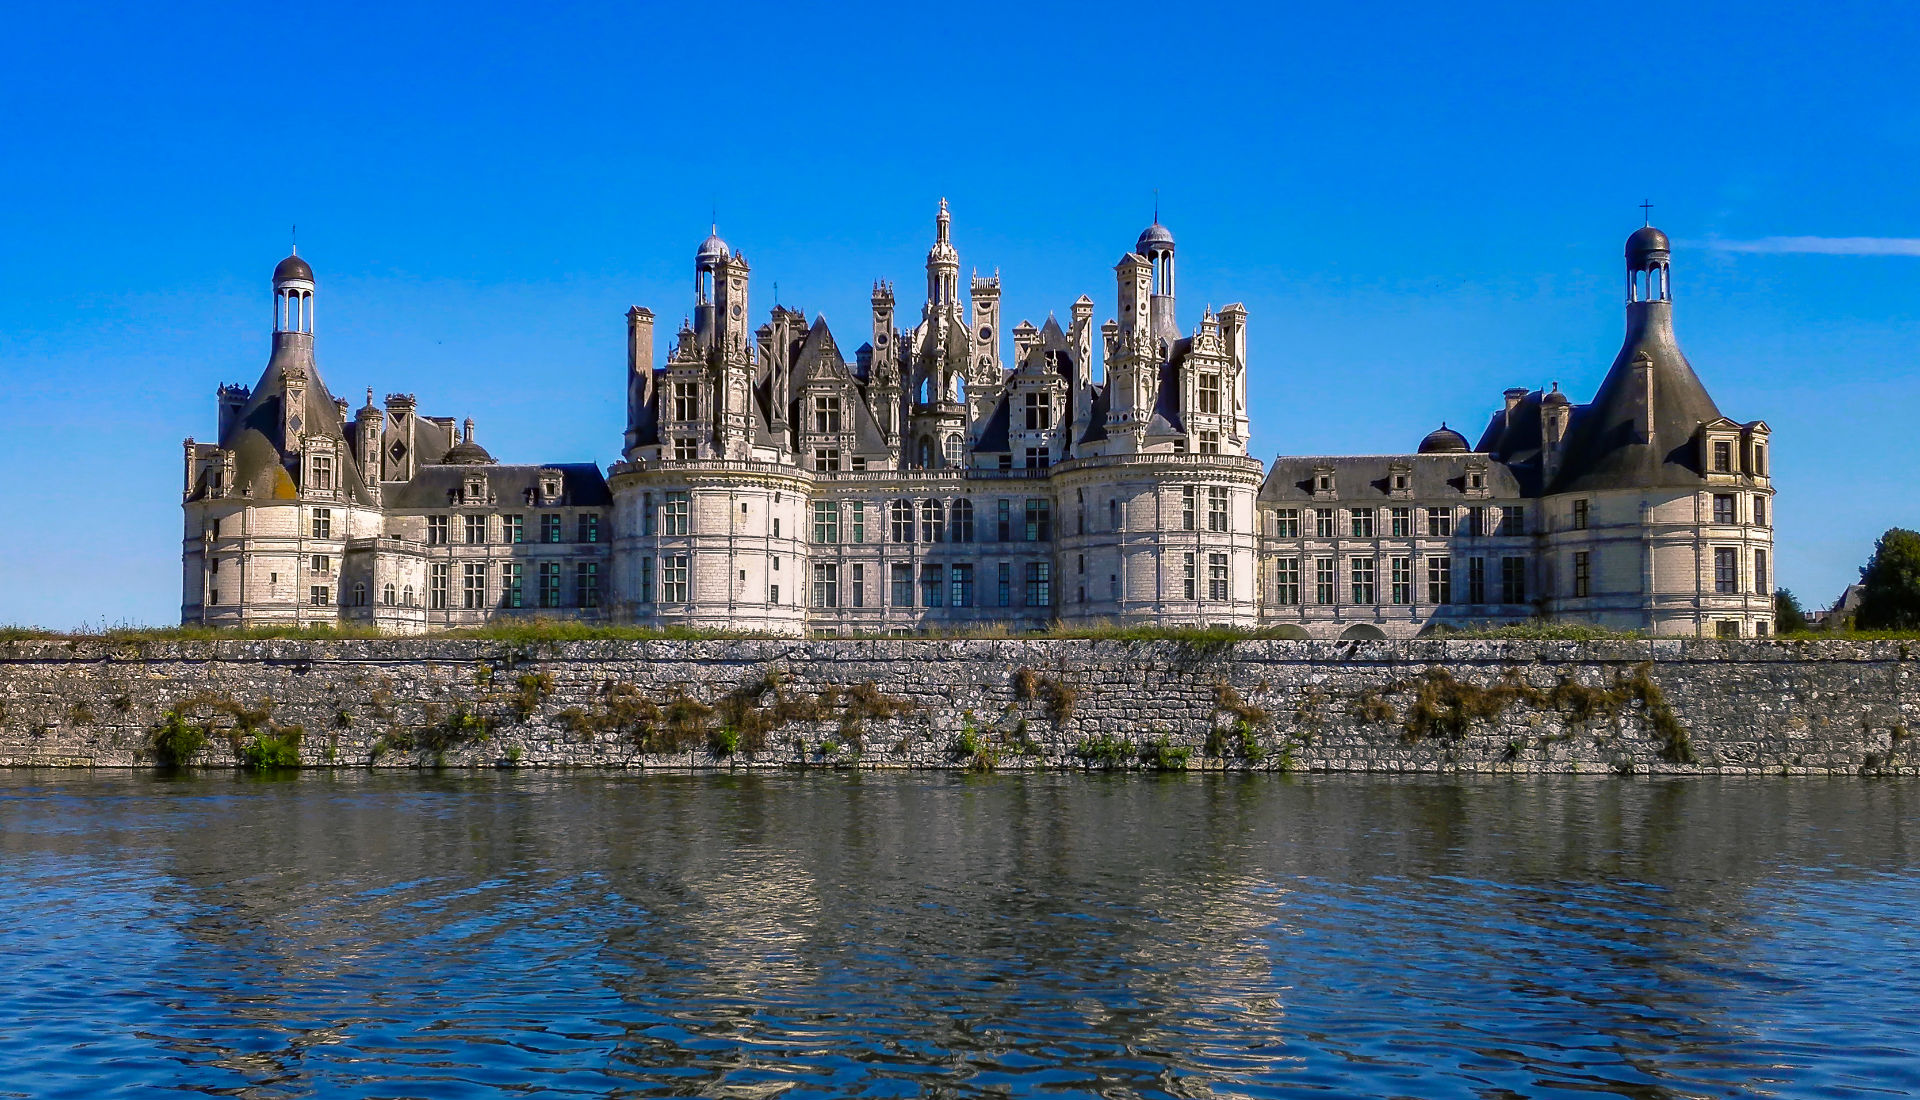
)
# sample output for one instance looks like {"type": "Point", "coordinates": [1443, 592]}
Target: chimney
{"type": "Point", "coordinates": [1514, 396]}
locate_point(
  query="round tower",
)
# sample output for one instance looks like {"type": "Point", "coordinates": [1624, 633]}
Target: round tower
{"type": "Point", "coordinates": [293, 295]}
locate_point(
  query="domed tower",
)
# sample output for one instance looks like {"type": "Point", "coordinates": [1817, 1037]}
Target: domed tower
{"type": "Point", "coordinates": [1156, 244]}
{"type": "Point", "coordinates": [707, 261]}
{"type": "Point", "coordinates": [293, 295]}
{"type": "Point", "coordinates": [1647, 258]}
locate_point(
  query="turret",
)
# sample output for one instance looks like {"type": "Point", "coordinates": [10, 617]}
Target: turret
{"type": "Point", "coordinates": [943, 263]}
{"type": "Point", "coordinates": [1156, 245]}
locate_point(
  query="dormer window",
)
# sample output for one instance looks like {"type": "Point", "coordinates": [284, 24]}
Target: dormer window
{"type": "Point", "coordinates": [1039, 411]}
{"type": "Point", "coordinates": [1399, 483]}
{"type": "Point", "coordinates": [826, 414]}
{"type": "Point", "coordinates": [322, 477]}
{"type": "Point", "coordinates": [1476, 481]}
{"type": "Point", "coordinates": [1722, 456]}
{"type": "Point", "coordinates": [1759, 460]}
{"type": "Point", "coordinates": [1209, 393]}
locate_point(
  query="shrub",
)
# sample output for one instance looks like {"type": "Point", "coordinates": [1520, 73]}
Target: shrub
{"type": "Point", "coordinates": [177, 741]}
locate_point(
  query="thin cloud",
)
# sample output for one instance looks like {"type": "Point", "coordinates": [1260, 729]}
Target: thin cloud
{"type": "Point", "coordinates": [1827, 246]}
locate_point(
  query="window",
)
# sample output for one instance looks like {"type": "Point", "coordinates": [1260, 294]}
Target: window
{"type": "Point", "coordinates": [386, 595]}
{"type": "Point", "coordinates": [1722, 456]}
{"type": "Point", "coordinates": [1039, 520]}
{"type": "Point", "coordinates": [1005, 585]}
{"type": "Point", "coordinates": [678, 513]}
{"type": "Point", "coordinates": [1187, 578]}
{"type": "Point", "coordinates": [1759, 511]}
{"type": "Point", "coordinates": [902, 520]}
{"type": "Point", "coordinates": [1188, 494]}
{"type": "Point", "coordinates": [1217, 577]}
{"type": "Point", "coordinates": [646, 516]}
{"type": "Point", "coordinates": [1006, 520]}
{"type": "Point", "coordinates": [437, 587]}
{"type": "Point", "coordinates": [1440, 523]}
{"type": "Point", "coordinates": [1323, 581]}
{"type": "Point", "coordinates": [1286, 582]}
{"type": "Point", "coordinates": [1039, 458]}
{"type": "Point", "coordinates": [473, 586]}
{"type": "Point", "coordinates": [686, 450]}
{"type": "Point", "coordinates": [826, 418]}
{"type": "Point", "coordinates": [586, 584]}
{"type": "Point", "coordinates": [1579, 515]}
{"type": "Point", "coordinates": [1323, 523]}
{"type": "Point", "coordinates": [1513, 521]}
{"type": "Point", "coordinates": [1216, 508]}
{"type": "Point", "coordinates": [858, 517]}
{"type": "Point", "coordinates": [1039, 411]}
{"type": "Point", "coordinates": [1439, 580]}
{"type": "Point", "coordinates": [550, 528]}
{"type": "Point", "coordinates": [1726, 571]}
{"type": "Point", "coordinates": [510, 589]}
{"type": "Point", "coordinates": [1360, 572]}
{"type": "Point", "coordinates": [686, 401]}
{"type": "Point", "coordinates": [826, 527]}
{"type": "Point", "coordinates": [513, 528]}
{"type": "Point", "coordinates": [213, 595]}
{"type": "Point", "coordinates": [320, 595]}
{"type": "Point", "coordinates": [857, 585]}
{"type": "Point", "coordinates": [1513, 580]}
{"type": "Point", "coordinates": [1039, 584]}
{"type": "Point", "coordinates": [933, 522]}
{"type": "Point", "coordinates": [673, 579]}
{"type": "Point", "coordinates": [1286, 523]}
{"type": "Point", "coordinates": [645, 595]}
{"type": "Point", "coordinates": [1477, 521]}
{"type": "Point", "coordinates": [322, 563]}
{"type": "Point", "coordinates": [549, 580]}
{"type": "Point", "coordinates": [476, 530]}
{"type": "Point", "coordinates": [1113, 587]}
{"type": "Point", "coordinates": [859, 464]}
{"type": "Point", "coordinates": [1361, 523]}
{"type": "Point", "coordinates": [1760, 460]}
{"type": "Point", "coordinates": [1760, 629]}
{"type": "Point", "coordinates": [1723, 508]}
{"type": "Point", "coordinates": [826, 459]}
{"type": "Point", "coordinates": [826, 579]}
{"type": "Point", "coordinates": [1323, 483]}
{"type": "Point", "coordinates": [1113, 515]}
{"type": "Point", "coordinates": [436, 530]}
{"type": "Point", "coordinates": [776, 527]}
{"type": "Point", "coordinates": [1582, 572]}
{"type": "Point", "coordinates": [962, 527]}
{"type": "Point", "coordinates": [1209, 393]}
{"type": "Point", "coordinates": [1727, 628]}
{"type": "Point", "coordinates": [1760, 573]}
{"type": "Point", "coordinates": [322, 523]}
{"type": "Point", "coordinates": [773, 593]}
{"type": "Point", "coordinates": [322, 472]}
{"type": "Point", "coordinates": [933, 584]}
{"type": "Point", "coordinates": [1400, 522]}
{"type": "Point", "coordinates": [963, 586]}
{"type": "Point", "coordinates": [359, 594]}
{"type": "Point", "coordinates": [1476, 580]}
{"type": "Point", "coordinates": [1402, 577]}
{"type": "Point", "coordinates": [590, 527]}
{"type": "Point", "coordinates": [1476, 481]}
{"type": "Point", "coordinates": [902, 584]}
{"type": "Point", "coordinates": [1209, 443]}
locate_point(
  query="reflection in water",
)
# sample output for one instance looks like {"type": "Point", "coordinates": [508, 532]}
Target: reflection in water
{"type": "Point", "coordinates": [883, 935]}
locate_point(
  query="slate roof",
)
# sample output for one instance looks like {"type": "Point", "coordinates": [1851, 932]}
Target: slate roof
{"type": "Point", "coordinates": [1611, 445]}
{"type": "Point", "coordinates": [1366, 478]}
{"type": "Point", "coordinates": [582, 485]}
{"type": "Point", "coordinates": [263, 470]}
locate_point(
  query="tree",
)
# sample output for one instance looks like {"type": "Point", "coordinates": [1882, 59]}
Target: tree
{"type": "Point", "coordinates": [1788, 616]}
{"type": "Point", "coordinates": [1890, 583]}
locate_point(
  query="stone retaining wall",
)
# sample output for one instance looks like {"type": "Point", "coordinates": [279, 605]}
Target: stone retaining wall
{"type": "Point", "coordinates": [1661, 706]}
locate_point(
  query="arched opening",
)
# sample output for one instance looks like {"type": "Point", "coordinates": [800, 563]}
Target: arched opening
{"type": "Point", "coordinates": [1363, 632]}
{"type": "Point", "coordinates": [1290, 632]}
{"type": "Point", "coordinates": [386, 595]}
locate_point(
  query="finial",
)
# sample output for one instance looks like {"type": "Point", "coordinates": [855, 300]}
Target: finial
{"type": "Point", "coordinates": [293, 234]}
{"type": "Point", "coordinates": [369, 395]}
{"type": "Point", "coordinates": [1156, 206]}
{"type": "Point", "coordinates": [1646, 213]}
{"type": "Point", "coordinates": [943, 204]}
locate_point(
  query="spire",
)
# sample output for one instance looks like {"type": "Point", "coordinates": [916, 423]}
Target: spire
{"type": "Point", "coordinates": [944, 222]}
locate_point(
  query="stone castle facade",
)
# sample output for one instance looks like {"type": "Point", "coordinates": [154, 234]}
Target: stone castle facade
{"type": "Point", "coordinates": [771, 481]}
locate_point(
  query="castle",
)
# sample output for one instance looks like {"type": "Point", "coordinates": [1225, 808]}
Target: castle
{"type": "Point", "coordinates": [771, 482]}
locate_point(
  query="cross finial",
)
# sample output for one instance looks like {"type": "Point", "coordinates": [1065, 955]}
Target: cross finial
{"type": "Point", "coordinates": [293, 234]}
{"type": "Point", "coordinates": [1156, 206]}
{"type": "Point", "coordinates": [1646, 213]}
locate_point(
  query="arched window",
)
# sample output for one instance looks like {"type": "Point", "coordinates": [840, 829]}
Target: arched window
{"type": "Point", "coordinates": [933, 521]}
{"type": "Point", "coordinates": [962, 520]}
{"type": "Point", "coordinates": [386, 595]}
{"type": "Point", "coordinates": [406, 595]}
{"type": "Point", "coordinates": [359, 594]}
{"type": "Point", "coordinates": [926, 453]}
{"type": "Point", "coordinates": [902, 517]}
{"type": "Point", "coordinates": [956, 452]}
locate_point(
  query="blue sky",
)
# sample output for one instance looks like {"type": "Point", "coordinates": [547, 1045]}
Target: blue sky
{"type": "Point", "coordinates": [1419, 205]}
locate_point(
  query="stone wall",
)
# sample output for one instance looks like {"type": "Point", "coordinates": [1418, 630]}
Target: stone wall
{"type": "Point", "coordinates": [1423, 706]}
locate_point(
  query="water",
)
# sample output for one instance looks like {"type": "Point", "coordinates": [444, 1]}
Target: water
{"type": "Point", "coordinates": [807, 935]}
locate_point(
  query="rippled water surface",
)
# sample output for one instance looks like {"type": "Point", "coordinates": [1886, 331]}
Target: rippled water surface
{"type": "Point", "coordinates": [886, 935]}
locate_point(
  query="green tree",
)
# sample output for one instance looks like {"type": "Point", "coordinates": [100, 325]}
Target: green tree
{"type": "Point", "coordinates": [1788, 616]}
{"type": "Point", "coordinates": [1890, 583]}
